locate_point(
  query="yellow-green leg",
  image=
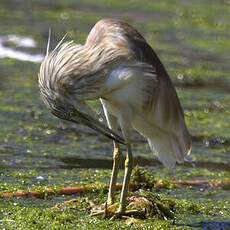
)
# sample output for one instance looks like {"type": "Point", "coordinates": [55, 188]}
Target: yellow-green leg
{"type": "Point", "coordinates": [128, 171]}
{"type": "Point", "coordinates": [113, 180]}
{"type": "Point", "coordinates": [113, 124]}
{"type": "Point", "coordinates": [126, 131]}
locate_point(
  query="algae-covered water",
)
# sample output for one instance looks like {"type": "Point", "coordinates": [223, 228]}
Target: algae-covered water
{"type": "Point", "coordinates": [37, 151]}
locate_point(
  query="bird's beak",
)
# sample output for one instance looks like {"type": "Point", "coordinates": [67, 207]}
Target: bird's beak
{"type": "Point", "coordinates": [83, 118]}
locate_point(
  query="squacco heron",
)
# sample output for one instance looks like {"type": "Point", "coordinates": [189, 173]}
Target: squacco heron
{"type": "Point", "coordinates": [117, 66]}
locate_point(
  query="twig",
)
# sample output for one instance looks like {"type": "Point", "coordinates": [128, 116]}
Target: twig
{"type": "Point", "coordinates": [89, 188]}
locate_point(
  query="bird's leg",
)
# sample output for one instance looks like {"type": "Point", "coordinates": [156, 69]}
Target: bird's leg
{"type": "Point", "coordinates": [126, 131]}
{"type": "Point", "coordinates": [113, 124]}
{"type": "Point", "coordinates": [128, 170]}
{"type": "Point", "coordinates": [113, 180]}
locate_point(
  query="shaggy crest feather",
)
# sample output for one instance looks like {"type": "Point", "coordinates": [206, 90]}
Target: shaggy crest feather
{"type": "Point", "coordinates": [48, 42]}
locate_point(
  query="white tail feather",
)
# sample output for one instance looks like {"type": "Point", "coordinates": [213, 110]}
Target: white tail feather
{"type": "Point", "coordinates": [170, 147]}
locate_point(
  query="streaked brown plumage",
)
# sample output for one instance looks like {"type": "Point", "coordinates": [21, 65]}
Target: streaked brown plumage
{"type": "Point", "coordinates": [117, 66]}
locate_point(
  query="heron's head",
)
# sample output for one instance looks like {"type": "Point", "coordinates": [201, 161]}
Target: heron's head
{"type": "Point", "coordinates": [64, 89]}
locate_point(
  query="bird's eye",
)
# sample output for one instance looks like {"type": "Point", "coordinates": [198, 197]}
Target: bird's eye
{"type": "Point", "coordinates": [67, 113]}
{"type": "Point", "coordinates": [62, 112]}
{"type": "Point", "coordinates": [65, 110]}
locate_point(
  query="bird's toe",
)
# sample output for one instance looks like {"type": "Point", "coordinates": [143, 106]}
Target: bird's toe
{"type": "Point", "coordinates": [105, 210]}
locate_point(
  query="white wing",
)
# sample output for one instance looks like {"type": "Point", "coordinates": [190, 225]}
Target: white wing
{"type": "Point", "coordinates": [153, 109]}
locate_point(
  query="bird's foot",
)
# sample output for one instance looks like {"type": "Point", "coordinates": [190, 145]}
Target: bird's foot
{"type": "Point", "coordinates": [112, 212]}
{"type": "Point", "coordinates": [127, 215]}
{"type": "Point", "coordinates": [104, 210]}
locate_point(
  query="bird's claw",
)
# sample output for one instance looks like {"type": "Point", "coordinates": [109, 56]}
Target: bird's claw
{"type": "Point", "coordinates": [128, 214]}
{"type": "Point", "coordinates": [104, 210]}
{"type": "Point", "coordinates": [112, 212]}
